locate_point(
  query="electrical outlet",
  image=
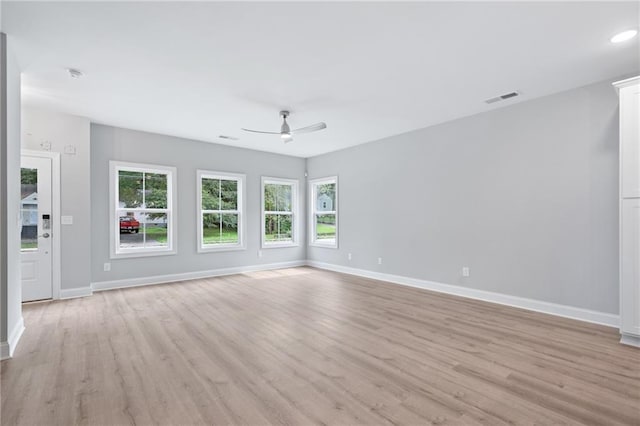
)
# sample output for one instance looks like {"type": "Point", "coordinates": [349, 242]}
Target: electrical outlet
{"type": "Point", "coordinates": [259, 253]}
{"type": "Point", "coordinates": [349, 256]}
{"type": "Point", "coordinates": [465, 271]}
{"type": "Point", "coordinates": [379, 261]}
{"type": "Point", "coordinates": [107, 267]}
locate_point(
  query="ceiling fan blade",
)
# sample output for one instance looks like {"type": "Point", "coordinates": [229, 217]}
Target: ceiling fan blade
{"type": "Point", "coordinates": [312, 128]}
{"type": "Point", "coordinates": [260, 131]}
{"type": "Point", "coordinates": [287, 140]}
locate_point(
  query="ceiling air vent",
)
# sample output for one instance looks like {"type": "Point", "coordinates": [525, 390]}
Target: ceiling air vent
{"type": "Point", "coordinates": [502, 97]}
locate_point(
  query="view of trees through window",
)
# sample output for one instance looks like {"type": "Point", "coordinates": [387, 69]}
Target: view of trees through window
{"type": "Point", "coordinates": [220, 213]}
{"type": "Point", "coordinates": [142, 210]}
{"type": "Point", "coordinates": [278, 212]}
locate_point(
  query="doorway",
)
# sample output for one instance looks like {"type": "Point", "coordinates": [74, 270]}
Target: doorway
{"type": "Point", "coordinates": [39, 220]}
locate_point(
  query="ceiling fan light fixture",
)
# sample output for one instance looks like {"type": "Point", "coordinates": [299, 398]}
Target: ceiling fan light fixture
{"type": "Point", "coordinates": [286, 133]}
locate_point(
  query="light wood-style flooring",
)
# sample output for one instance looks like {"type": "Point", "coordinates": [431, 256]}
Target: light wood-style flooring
{"type": "Point", "coordinates": [304, 346]}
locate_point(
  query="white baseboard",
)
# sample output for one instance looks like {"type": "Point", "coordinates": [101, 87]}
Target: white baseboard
{"type": "Point", "coordinates": [70, 293]}
{"type": "Point", "coordinates": [628, 339]}
{"type": "Point", "coordinates": [4, 350]}
{"type": "Point", "coordinates": [581, 314]}
{"type": "Point", "coordinates": [7, 348]}
{"type": "Point", "coordinates": [162, 279]}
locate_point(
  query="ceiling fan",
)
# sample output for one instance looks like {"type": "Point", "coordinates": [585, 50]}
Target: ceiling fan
{"type": "Point", "coordinates": [285, 131]}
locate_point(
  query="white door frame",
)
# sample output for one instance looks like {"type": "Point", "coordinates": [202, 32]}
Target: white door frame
{"type": "Point", "coordinates": [55, 212]}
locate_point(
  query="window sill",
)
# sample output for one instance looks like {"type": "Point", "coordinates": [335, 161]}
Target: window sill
{"type": "Point", "coordinates": [220, 249]}
{"type": "Point", "coordinates": [324, 245]}
{"type": "Point", "coordinates": [129, 255]}
{"type": "Point", "coordinates": [279, 245]}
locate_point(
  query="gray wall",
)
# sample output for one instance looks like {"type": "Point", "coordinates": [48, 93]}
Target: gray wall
{"type": "Point", "coordinates": [526, 196]}
{"type": "Point", "coordinates": [11, 290]}
{"type": "Point", "coordinates": [62, 130]}
{"type": "Point", "coordinates": [110, 143]}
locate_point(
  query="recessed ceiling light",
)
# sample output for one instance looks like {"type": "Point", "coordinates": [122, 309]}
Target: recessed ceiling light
{"type": "Point", "coordinates": [74, 73]}
{"type": "Point", "coordinates": [624, 36]}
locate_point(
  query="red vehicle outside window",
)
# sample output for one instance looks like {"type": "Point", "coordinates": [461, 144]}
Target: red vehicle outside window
{"type": "Point", "coordinates": [129, 224]}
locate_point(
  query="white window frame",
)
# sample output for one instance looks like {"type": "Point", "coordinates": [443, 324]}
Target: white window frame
{"type": "Point", "coordinates": [241, 179]}
{"type": "Point", "coordinates": [118, 253]}
{"type": "Point", "coordinates": [294, 213]}
{"type": "Point", "coordinates": [313, 183]}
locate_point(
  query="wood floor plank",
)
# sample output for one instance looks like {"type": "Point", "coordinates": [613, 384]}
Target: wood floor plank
{"type": "Point", "coordinates": [303, 346]}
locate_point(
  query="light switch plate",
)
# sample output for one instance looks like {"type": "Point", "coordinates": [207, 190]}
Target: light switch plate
{"type": "Point", "coordinates": [66, 220]}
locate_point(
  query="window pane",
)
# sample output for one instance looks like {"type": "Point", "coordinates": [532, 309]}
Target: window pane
{"type": "Point", "coordinates": [155, 185]}
{"type": "Point", "coordinates": [219, 229]}
{"type": "Point", "coordinates": [131, 228]}
{"type": "Point", "coordinates": [326, 227]}
{"type": "Point", "coordinates": [326, 197]}
{"type": "Point", "coordinates": [140, 230]}
{"type": "Point", "coordinates": [270, 197]}
{"type": "Point", "coordinates": [155, 229]}
{"type": "Point", "coordinates": [277, 197]}
{"type": "Point", "coordinates": [29, 208]}
{"type": "Point", "coordinates": [229, 194]}
{"type": "Point", "coordinates": [284, 198]}
{"type": "Point", "coordinates": [278, 228]}
{"type": "Point", "coordinates": [130, 189]}
{"type": "Point", "coordinates": [210, 194]}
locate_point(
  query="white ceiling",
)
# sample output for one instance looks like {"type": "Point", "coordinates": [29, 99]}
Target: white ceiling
{"type": "Point", "coordinates": [369, 70]}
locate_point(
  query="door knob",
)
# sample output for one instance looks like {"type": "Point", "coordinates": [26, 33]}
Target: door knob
{"type": "Point", "coordinates": [45, 235]}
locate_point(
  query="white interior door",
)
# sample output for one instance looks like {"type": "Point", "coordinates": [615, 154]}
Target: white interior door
{"type": "Point", "coordinates": [37, 226]}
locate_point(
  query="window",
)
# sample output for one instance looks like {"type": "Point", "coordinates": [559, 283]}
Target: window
{"type": "Point", "coordinates": [143, 219]}
{"type": "Point", "coordinates": [29, 208]}
{"type": "Point", "coordinates": [279, 212]}
{"type": "Point", "coordinates": [220, 211]}
{"type": "Point", "coordinates": [324, 212]}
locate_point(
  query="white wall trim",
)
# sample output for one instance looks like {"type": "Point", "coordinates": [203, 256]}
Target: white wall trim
{"type": "Point", "coordinates": [565, 311]}
{"type": "Point", "coordinates": [71, 293]}
{"type": "Point", "coordinates": [628, 339]}
{"type": "Point", "coordinates": [162, 279]}
{"type": "Point", "coordinates": [4, 351]}
{"type": "Point", "coordinates": [56, 259]}
{"type": "Point", "coordinates": [7, 348]}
